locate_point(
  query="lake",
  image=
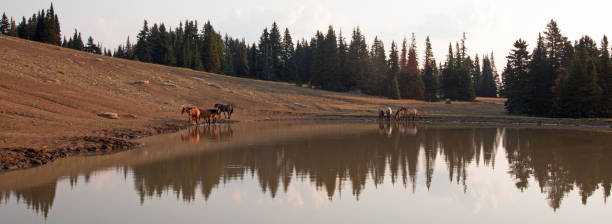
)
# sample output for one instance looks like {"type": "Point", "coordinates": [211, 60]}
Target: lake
{"type": "Point", "coordinates": [327, 172]}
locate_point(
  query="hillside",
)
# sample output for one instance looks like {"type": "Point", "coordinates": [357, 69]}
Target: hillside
{"type": "Point", "coordinates": [50, 97]}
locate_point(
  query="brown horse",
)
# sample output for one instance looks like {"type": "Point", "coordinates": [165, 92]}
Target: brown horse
{"type": "Point", "coordinates": [413, 113]}
{"type": "Point", "coordinates": [194, 113]}
{"type": "Point", "coordinates": [210, 115]}
{"type": "Point", "coordinates": [400, 114]}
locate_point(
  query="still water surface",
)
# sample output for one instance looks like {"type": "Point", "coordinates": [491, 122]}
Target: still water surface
{"type": "Point", "coordinates": [313, 172]}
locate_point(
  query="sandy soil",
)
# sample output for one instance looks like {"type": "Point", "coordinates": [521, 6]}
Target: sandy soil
{"type": "Point", "coordinates": [50, 98]}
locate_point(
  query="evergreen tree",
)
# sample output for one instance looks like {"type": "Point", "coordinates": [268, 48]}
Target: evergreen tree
{"type": "Point", "coordinates": [91, 47]}
{"type": "Point", "coordinates": [516, 78]}
{"type": "Point", "coordinates": [577, 91]}
{"type": "Point", "coordinates": [344, 76]}
{"type": "Point", "coordinates": [358, 61]}
{"type": "Point", "coordinates": [13, 29]}
{"type": "Point", "coordinates": [275, 52]}
{"type": "Point", "coordinates": [142, 50]}
{"type": "Point", "coordinates": [210, 49]}
{"type": "Point", "coordinates": [403, 61]}
{"type": "Point", "coordinates": [393, 71]}
{"type": "Point", "coordinates": [540, 96]}
{"type": "Point", "coordinates": [289, 68]}
{"type": "Point", "coordinates": [228, 61]}
{"type": "Point", "coordinates": [411, 83]}
{"type": "Point", "coordinates": [477, 76]}
{"type": "Point", "coordinates": [4, 25]}
{"type": "Point", "coordinates": [377, 82]}
{"type": "Point", "coordinates": [488, 86]}
{"type": "Point", "coordinates": [253, 60]}
{"type": "Point", "coordinates": [429, 78]}
{"type": "Point", "coordinates": [412, 65]}
{"type": "Point", "coordinates": [265, 66]}
{"type": "Point", "coordinates": [605, 80]}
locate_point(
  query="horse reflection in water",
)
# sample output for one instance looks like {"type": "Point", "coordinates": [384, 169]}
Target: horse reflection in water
{"type": "Point", "coordinates": [386, 128]}
{"type": "Point", "coordinates": [212, 132]}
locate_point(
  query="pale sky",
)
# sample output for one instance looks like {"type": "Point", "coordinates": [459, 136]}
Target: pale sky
{"type": "Point", "coordinates": [489, 25]}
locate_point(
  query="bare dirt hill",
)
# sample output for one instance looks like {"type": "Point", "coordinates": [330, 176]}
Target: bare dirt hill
{"type": "Point", "coordinates": [50, 98]}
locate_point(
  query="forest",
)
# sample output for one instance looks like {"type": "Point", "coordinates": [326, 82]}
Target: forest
{"type": "Point", "coordinates": [557, 79]}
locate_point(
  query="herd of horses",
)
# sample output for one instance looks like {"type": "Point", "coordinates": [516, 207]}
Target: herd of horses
{"type": "Point", "coordinates": [209, 115]}
{"type": "Point", "coordinates": [401, 114]}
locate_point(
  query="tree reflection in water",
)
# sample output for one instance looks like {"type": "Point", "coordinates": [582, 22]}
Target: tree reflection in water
{"type": "Point", "coordinates": [558, 160]}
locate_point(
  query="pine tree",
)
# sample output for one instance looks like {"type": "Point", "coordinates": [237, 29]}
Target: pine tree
{"type": "Point", "coordinates": [429, 78]}
{"type": "Point", "coordinates": [275, 52]}
{"type": "Point", "coordinates": [577, 91]}
{"type": "Point", "coordinates": [477, 76]}
{"type": "Point", "coordinates": [393, 71]}
{"type": "Point", "coordinates": [13, 30]}
{"type": "Point", "coordinates": [228, 61]}
{"type": "Point", "coordinates": [488, 87]}
{"type": "Point", "coordinates": [142, 50]}
{"type": "Point", "coordinates": [253, 60]}
{"type": "Point", "coordinates": [377, 82]}
{"type": "Point", "coordinates": [516, 78]}
{"type": "Point", "coordinates": [411, 82]}
{"type": "Point", "coordinates": [540, 81]}
{"type": "Point", "coordinates": [289, 68]}
{"type": "Point", "coordinates": [91, 47]}
{"type": "Point", "coordinates": [358, 60]}
{"type": "Point", "coordinates": [210, 50]}
{"type": "Point", "coordinates": [265, 67]}
{"type": "Point", "coordinates": [412, 65]}
{"type": "Point", "coordinates": [403, 61]}
{"type": "Point", "coordinates": [344, 76]}
{"type": "Point", "coordinates": [605, 80]}
{"type": "Point", "coordinates": [4, 25]}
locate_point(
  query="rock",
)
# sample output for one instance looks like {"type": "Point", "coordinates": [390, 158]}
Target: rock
{"type": "Point", "coordinates": [168, 84]}
{"type": "Point", "coordinates": [213, 85]}
{"type": "Point", "coordinates": [109, 115]}
{"type": "Point", "coordinates": [99, 59]}
{"type": "Point", "coordinates": [142, 82]}
{"type": "Point", "coordinates": [448, 101]}
{"type": "Point", "coordinates": [131, 116]}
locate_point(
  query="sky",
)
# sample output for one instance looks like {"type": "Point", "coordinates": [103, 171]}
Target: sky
{"type": "Point", "coordinates": [490, 26]}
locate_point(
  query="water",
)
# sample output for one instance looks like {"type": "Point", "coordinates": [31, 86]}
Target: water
{"type": "Point", "coordinates": [313, 172]}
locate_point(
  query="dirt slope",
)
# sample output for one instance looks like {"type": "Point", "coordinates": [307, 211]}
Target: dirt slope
{"type": "Point", "coordinates": [50, 97]}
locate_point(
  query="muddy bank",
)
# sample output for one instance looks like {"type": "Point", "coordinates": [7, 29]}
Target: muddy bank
{"type": "Point", "coordinates": [101, 142]}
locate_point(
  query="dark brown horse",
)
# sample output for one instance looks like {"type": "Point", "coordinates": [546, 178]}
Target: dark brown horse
{"type": "Point", "coordinates": [226, 109]}
{"type": "Point", "coordinates": [210, 115]}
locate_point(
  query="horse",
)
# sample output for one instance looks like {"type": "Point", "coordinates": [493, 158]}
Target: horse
{"type": "Point", "coordinates": [194, 113]}
{"type": "Point", "coordinates": [186, 109]}
{"type": "Point", "coordinates": [388, 113]}
{"type": "Point", "coordinates": [412, 113]}
{"type": "Point", "coordinates": [210, 115]}
{"type": "Point", "coordinates": [226, 109]}
{"type": "Point", "coordinates": [400, 114]}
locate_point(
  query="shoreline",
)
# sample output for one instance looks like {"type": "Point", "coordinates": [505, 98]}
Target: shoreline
{"type": "Point", "coordinates": [118, 140]}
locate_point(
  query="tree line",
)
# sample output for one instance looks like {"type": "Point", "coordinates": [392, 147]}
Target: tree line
{"type": "Point", "coordinates": [559, 78]}
{"type": "Point", "coordinates": [326, 61]}
{"type": "Point", "coordinates": [44, 26]}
